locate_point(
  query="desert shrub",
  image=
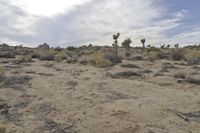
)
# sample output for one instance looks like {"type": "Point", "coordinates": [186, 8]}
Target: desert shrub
{"type": "Point", "coordinates": [22, 59]}
{"type": "Point", "coordinates": [113, 58]}
{"type": "Point", "coordinates": [180, 75]}
{"type": "Point", "coordinates": [130, 66]}
{"type": "Point", "coordinates": [97, 59]}
{"type": "Point", "coordinates": [83, 60]}
{"type": "Point", "coordinates": [162, 54]}
{"type": "Point", "coordinates": [177, 54]}
{"type": "Point", "coordinates": [60, 56]}
{"type": "Point", "coordinates": [47, 54]}
{"type": "Point", "coordinates": [192, 56]}
{"type": "Point", "coordinates": [71, 48]}
{"type": "Point", "coordinates": [193, 80]}
{"type": "Point", "coordinates": [136, 57]}
{"type": "Point", "coordinates": [125, 75]}
{"type": "Point", "coordinates": [2, 71]}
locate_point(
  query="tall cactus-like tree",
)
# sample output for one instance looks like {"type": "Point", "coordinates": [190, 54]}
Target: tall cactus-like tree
{"type": "Point", "coordinates": [115, 44]}
{"type": "Point", "coordinates": [176, 45]}
{"type": "Point", "coordinates": [143, 43]}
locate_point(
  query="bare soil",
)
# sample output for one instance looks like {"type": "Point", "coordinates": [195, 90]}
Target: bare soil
{"type": "Point", "coordinates": [74, 98]}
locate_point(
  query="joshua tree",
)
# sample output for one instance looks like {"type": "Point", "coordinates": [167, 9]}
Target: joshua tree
{"type": "Point", "coordinates": [176, 45]}
{"type": "Point", "coordinates": [163, 46]}
{"type": "Point", "coordinates": [143, 43]}
{"type": "Point", "coordinates": [126, 44]}
{"type": "Point", "coordinates": [115, 44]}
{"type": "Point", "coordinates": [168, 46]}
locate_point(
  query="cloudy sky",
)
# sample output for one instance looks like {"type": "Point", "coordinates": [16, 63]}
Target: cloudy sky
{"type": "Point", "coordinates": [80, 22]}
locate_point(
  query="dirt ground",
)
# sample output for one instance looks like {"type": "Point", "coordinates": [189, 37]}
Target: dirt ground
{"type": "Point", "coordinates": [50, 97]}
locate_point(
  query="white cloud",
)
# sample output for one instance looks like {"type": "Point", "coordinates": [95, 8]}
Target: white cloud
{"type": "Point", "coordinates": [46, 7]}
{"type": "Point", "coordinates": [91, 21]}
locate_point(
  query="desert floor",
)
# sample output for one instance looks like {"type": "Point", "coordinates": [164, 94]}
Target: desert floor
{"type": "Point", "coordinates": [50, 97]}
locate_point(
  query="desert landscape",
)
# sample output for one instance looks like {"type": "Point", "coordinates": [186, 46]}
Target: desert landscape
{"type": "Point", "coordinates": [93, 89]}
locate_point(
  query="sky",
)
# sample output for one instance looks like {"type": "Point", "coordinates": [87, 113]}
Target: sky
{"type": "Point", "coordinates": [81, 22]}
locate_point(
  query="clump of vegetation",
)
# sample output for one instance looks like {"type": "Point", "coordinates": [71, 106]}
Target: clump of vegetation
{"type": "Point", "coordinates": [60, 56]}
{"type": "Point", "coordinates": [136, 57]}
{"type": "Point", "coordinates": [180, 75]}
{"type": "Point", "coordinates": [112, 58]}
{"type": "Point", "coordinates": [97, 59]}
{"type": "Point", "coordinates": [83, 60]}
{"type": "Point", "coordinates": [115, 44]}
{"type": "Point", "coordinates": [46, 54]}
{"type": "Point", "coordinates": [22, 59]}
{"type": "Point", "coordinates": [126, 44]}
{"type": "Point", "coordinates": [192, 56]}
{"type": "Point", "coordinates": [130, 66]}
{"type": "Point", "coordinates": [177, 54]}
{"type": "Point", "coordinates": [2, 71]}
{"type": "Point", "coordinates": [125, 75]}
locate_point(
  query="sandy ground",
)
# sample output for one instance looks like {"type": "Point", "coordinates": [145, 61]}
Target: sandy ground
{"type": "Point", "coordinates": [73, 98]}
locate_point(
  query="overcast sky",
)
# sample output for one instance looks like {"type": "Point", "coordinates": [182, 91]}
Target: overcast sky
{"type": "Point", "coordinates": [80, 22]}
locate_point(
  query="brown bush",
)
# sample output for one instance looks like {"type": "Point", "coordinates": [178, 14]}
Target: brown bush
{"type": "Point", "coordinates": [97, 59]}
{"type": "Point", "coordinates": [60, 56]}
{"type": "Point", "coordinates": [22, 59]}
{"type": "Point", "coordinates": [177, 54]}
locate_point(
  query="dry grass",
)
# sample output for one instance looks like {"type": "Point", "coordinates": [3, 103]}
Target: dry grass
{"type": "Point", "coordinates": [60, 56]}
{"type": "Point", "coordinates": [191, 54]}
{"type": "Point", "coordinates": [23, 59]}
{"type": "Point", "coordinates": [99, 61]}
